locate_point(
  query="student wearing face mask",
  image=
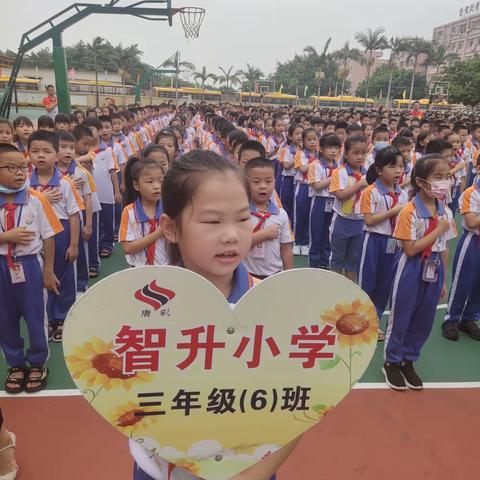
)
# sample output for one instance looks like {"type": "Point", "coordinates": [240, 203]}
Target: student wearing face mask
{"type": "Point", "coordinates": [424, 227]}
{"type": "Point", "coordinates": [380, 140]}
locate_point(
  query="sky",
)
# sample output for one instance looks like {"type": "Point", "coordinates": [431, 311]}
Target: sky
{"type": "Point", "coordinates": [260, 32]}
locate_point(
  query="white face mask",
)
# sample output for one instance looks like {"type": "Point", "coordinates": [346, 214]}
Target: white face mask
{"type": "Point", "coordinates": [381, 145]}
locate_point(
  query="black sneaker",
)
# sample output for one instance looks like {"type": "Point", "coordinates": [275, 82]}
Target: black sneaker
{"type": "Point", "coordinates": [393, 376]}
{"type": "Point", "coordinates": [470, 328]}
{"type": "Point", "coordinates": [411, 378]}
{"type": "Point", "coordinates": [450, 331]}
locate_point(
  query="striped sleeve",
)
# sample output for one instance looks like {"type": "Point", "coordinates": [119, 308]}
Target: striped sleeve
{"type": "Point", "coordinates": [467, 201]}
{"type": "Point", "coordinates": [313, 172]}
{"type": "Point", "coordinates": [73, 200]}
{"type": "Point", "coordinates": [335, 185]}
{"type": "Point", "coordinates": [368, 200]}
{"type": "Point", "coordinates": [299, 159]}
{"type": "Point", "coordinates": [49, 223]}
{"type": "Point", "coordinates": [125, 231]}
{"type": "Point", "coordinates": [405, 228]}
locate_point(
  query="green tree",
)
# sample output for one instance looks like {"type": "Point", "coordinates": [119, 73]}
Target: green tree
{"type": "Point", "coordinates": [42, 58]}
{"type": "Point", "coordinates": [400, 81]}
{"type": "Point", "coordinates": [464, 81]}
{"type": "Point", "coordinates": [229, 77]}
{"type": "Point", "coordinates": [251, 74]}
{"type": "Point", "coordinates": [396, 46]}
{"type": "Point", "coordinates": [416, 47]}
{"type": "Point", "coordinates": [203, 77]}
{"type": "Point", "coordinates": [372, 41]}
{"type": "Point", "coordinates": [438, 56]}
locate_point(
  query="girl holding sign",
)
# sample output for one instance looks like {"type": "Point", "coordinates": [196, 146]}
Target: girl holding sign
{"type": "Point", "coordinates": [207, 223]}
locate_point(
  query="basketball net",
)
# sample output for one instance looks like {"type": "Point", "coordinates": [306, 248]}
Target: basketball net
{"type": "Point", "coordinates": [191, 18]}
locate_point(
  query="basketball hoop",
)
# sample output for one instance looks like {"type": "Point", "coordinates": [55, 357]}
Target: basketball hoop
{"type": "Point", "coordinates": [192, 18]}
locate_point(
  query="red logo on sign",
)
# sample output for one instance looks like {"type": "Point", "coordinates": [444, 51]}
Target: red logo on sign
{"type": "Point", "coordinates": [154, 295]}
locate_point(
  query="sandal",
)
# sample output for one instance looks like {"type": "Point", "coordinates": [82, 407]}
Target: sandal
{"type": "Point", "coordinates": [38, 376]}
{"type": "Point", "coordinates": [13, 443]}
{"type": "Point", "coordinates": [52, 326]}
{"type": "Point", "coordinates": [381, 336]}
{"type": "Point", "coordinates": [17, 382]}
{"type": "Point", "coordinates": [93, 272]}
{"type": "Point", "coordinates": [58, 333]}
{"type": "Point", "coordinates": [105, 254]}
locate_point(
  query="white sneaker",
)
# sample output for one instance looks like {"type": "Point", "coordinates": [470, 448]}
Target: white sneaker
{"type": "Point", "coordinates": [305, 250]}
{"type": "Point", "coordinates": [296, 250]}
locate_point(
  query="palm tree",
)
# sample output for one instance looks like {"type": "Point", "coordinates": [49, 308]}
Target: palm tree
{"type": "Point", "coordinates": [439, 56]}
{"type": "Point", "coordinates": [396, 46]}
{"type": "Point", "coordinates": [372, 41]}
{"type": "Point", "coordinates": [416, 46]}
{"type": "Point", "coordinates": [319, 77]}
{"type": "Point", "coordinates": [344, 55]}
{"type": "Point", "coordinates": [174, 62]}
{"type": "Point", "coordinates": [204, 77]}
{"type": "Point", "coordinates": [319, 59]}
{"type": "Point", "coordinates": [229, 78]}
{"type": "Point", "coordinates": [251, 75]}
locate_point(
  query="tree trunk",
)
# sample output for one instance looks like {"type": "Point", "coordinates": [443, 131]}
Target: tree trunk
{"type": "Point", "coordinates": [341, 94]}
{"type": "Point", "coordinates": [369, 66]}
{"type": "Point", "coordinates": [389, 87]}
{"type": "Point", "coordinates": [413, 80]}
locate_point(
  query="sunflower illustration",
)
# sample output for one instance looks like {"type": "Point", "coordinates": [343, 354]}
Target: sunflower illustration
{"type": "Point", "coordinates": [129, 419]}
{"type": "Point", "coordinates": [95, 364]}
{"type": "Point", "coordinates": [320, 410]}
{"type": "Point", "coordinates": [356, 323]}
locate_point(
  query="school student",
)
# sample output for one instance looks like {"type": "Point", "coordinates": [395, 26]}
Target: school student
{"type": "Point", "coordinates": [168, 140]}
{"type": "Point", "coordinates": [464, 300]}
{"type": "Point", "coordinates": [424, 227]}
{"type": "Point", "coordinates": [321, 210]}
{"type": "Point", "coordinates": [346, 229]}
{"type": "Point", "coordinates": [301, 206]}
{"type": "Point", "coordinates": [104, 173]}
{"type": "Point", "coordinates": [28, 225]}
{"type": "Point", "coordinates": [43, 152]}
{"type": "Point", "coordinates": [22, 129]}
{"type": "Point", "coordinates": [211, 193]}
{"type": "Point", "coordinates": [46, 122]}
{"type": "Point", "coordinates": [380, 205]}
{"type": "Point", "coordinates": [140, 235]}
{"type": "Point", "coordinates": [286, 161]}
{"type": "Point", "coordinates": [381, 140]}
{"type": "Point", "coordinates": [62, 122]}
{"type": "Point", "coordinates": [272, 242]}
{"type": "Point", "coordinates": [69, 167]}
{"type": "Point", "coordinates": [6, 131]}
{"type": "Point", "coordinates": [83, 143]}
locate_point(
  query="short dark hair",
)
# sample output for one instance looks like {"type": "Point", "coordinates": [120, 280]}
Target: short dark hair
{"type": "Point", "coordinates": [438, 146]}
{"type": "Point", "coordinates": [62, 118]}
{"type": "Point", "coordinates": [64, 136]}
{"type": "Point", "coordinates": [44, 136]}
{"type": "Point", "coordinates": [330, 140]}
{"type": "Point", "coordinates": [253, 145]}
{"type": "Point", "coordinates": [81, 131]}
{"type": "Point", "coordinates": [260, 162]}
{"type": "Point", "coordinates": [400, 141]}
{"type": "Point", "coordinates": [8, 148]}
{"type": "Point", "coordinates": [45, 121]}
{"type": "Point", "coordinates": [93, 122]}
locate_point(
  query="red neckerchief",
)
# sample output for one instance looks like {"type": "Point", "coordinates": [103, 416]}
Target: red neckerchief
{"type": "Point", "coordinates": [393, 220]}
{"type": "Point", "coordinates": [432, 225]}
{"type": "Point", "coordinates": [151, 248]}
{"type": "Point", "coordinates": [10, 225]}
{"type": "Point", "coordinates": [263, 216]}
{"type": "Point", "coordinates": [358, 177]}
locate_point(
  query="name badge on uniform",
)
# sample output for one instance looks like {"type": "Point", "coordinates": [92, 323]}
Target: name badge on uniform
{"type": "Point", "coordinates": [328, 205]}
{"type": "Point", "coordinates": [17, 274]}
{"type": "Point", "coordinates": [391, 246]}
{"type": "Point", "coordinates": [430, 270]}
{"type": "Point", "coordinates": [259, 250]}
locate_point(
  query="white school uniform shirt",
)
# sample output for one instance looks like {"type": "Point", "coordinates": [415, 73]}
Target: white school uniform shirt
{"type": "Point", "coordinates": [342, 178]}
{"type": "Point", "coordinates": [70, 204]}
{"type": "Point", "coordinates": [470, 203]}
{"type": "Point", "coordinates": [287, 154]}
{"type": "Point", "coordinates": [103, 164]}
{"type": "Point", "coordinates": [413, 222]}
{"type": "Point", "coordinates": [376, 198]}
{"type": "Point", "coordinates": [134, 225]}
{"type": "Point", "coordinates": [265, 259]}
{"type": "Point", "coordinates": [34, 213]}
{"type": "Point", "coordinates": [124, 142]}
{"type": "Point", "coordinates": [318, 171]}
{"type": "Point", "coordinates": [74, 172]}
{"type": "Point", "coordinates": [118, 152]}
{"type": "Point", "coordinates": [303, 159]}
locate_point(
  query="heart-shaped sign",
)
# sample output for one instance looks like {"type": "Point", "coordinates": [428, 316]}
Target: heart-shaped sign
{"type": "Point", "coordinates": [160, 354]}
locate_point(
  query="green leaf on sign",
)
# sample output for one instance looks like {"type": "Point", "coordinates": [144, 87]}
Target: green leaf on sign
{"type": "Point", "coordinates": [328, 364]}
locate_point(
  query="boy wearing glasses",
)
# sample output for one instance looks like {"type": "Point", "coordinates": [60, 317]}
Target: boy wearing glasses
{"type": "Point", "coordinates": [28, 225]}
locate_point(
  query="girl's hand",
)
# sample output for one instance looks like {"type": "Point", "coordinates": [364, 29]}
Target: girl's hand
{"type": "Point", "coordinates": [444, 292]}
{"type": "Point", "coordinates": [443, 226]}
{"type": "Point", "coordinates": [78, 182]}
{"type": "Point", "coordinates": [72, 253]}
{"type": "Point", "coordinates": [397, 209]}
{"type": "Point", "coordinates": [272, 232]}
{"type": "Point", "coordinates": [363, 182]}
{"type": "Point", "coordinates": [51, 282]}
{"type": "Point", "coordinates": [87, 232]}
{"type": "Point", "coordinates": [19, 235]}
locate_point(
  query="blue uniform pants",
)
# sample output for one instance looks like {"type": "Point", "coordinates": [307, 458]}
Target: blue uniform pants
{"type": "Point", "coordinates": [278, 175]}
{"type": "Point", "coordinates": [464, 298]}
{"type": "Point", "coordinates": [118, 208]}
{"type": "Point", "coordinates": [346, 237]}
{"type": "Point", "coordinates": [302, 214]}
{"type": "Point", "coordinates": [25, 300]}
{"type": "Point", "coordinates": [414, 305]}
{"type": "Point", "coordinates": [59, 305]}
{"type": "Point", "coordinates": [139, 474]}
{"type": "Point", "coordinates": [377, 268]}
{"type": "Point", "coordinates": [319, 256]}
{"type": "Point", "coordinates": [93, 243]}
{"type": "Point", "coordinates": [82, 261]}
{"type": "Point", "coordinates": [107, 219]}
{"type": "Point", "coordinates": [286, 196]}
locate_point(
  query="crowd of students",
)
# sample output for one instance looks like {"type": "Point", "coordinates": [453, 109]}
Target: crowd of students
{"type": "Point", "coordinates": [372, 195]}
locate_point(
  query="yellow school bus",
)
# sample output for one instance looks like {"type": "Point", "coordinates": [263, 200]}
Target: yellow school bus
{"type": "Point", "coordinates": [345, 101]}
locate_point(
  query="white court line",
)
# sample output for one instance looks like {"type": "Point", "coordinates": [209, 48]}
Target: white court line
{"type": "Point", "coordinates": [358, 386]}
